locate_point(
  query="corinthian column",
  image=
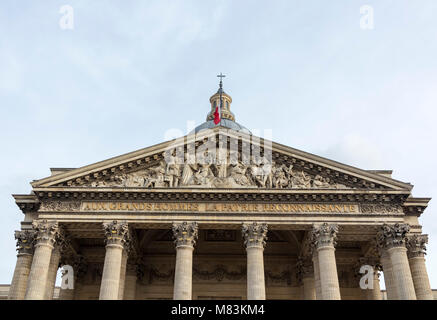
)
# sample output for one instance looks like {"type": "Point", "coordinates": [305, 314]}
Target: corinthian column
{"type": "Point", "coordinates": [316, 268]}
{"type": "Point", "coordinates": [390, 284]}
{"type": "Point", "coordinates": [416, 245]}
{"type": "Point", "coordinates": [255, 236]}
{"type": "Point", "coordinates": [46, 233]}
{"type": "Point", "coordinates": [58, 247]}
{"type": "Point", "coordinates": [305, 274]}
{"type": "Point", "coordinates": [117, 241]}
{"type": "Point", "coordinates": [324, 240]}
{"type": "Point", "coordinates": [392, 238]}
{"type": "Point", "coordinates": [185, 235]}
{"type": "Point", "coordinates": [22, 268]}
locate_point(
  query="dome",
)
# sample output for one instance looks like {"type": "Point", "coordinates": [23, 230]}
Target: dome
{"type": "Point", "coordinates": [224, 123]}
{"type": "Point", "coordinates": [227, 119]}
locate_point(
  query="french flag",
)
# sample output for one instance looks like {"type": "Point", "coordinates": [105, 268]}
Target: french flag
{"type": "Point", "coordinates": [217, 113]}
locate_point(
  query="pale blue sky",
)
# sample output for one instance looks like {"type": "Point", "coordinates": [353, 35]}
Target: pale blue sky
{"type": "Point", "coordinates": [130, 70]}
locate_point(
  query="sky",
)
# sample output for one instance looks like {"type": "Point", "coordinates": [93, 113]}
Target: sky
{"type": "Point", "coordinates": [323, 75]}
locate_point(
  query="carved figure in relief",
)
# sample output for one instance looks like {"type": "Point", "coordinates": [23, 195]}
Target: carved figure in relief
{"type": "Point", "coordinates": [238, 174]}
{"type": "Point", "coordinates": [320, 182]}
{"type": "Point", "coordinates": [173, 172]}
{"type": "Point", "coordinates": [189, 168]}
{"type": "Point", "coordinates": [301, 180]}
{"type": "Point", "coordinates": [256, 172]}
{"type": "Point", "coordinates": [222, 162]}
{"type": "Point", "coordinates": [204, 175]}
{"type": "Point", "coordinates": [280, 179]}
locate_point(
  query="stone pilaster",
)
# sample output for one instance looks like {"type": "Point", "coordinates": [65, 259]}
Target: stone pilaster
{"type": "Point", "coordinates": [416, 245]}
{"type": "Point", "coordinates": [305, 275]}
{"type": "Point", "coordinates": [185, 235]}
{"type": "Point", "coordinates": [392, 238]}
{"type": "Point", "coordinates": [25, 241]}
{"type": "Point", "coordinates": [255, 236]}
{"type": "Point", "coordinates": [324, 241]}
{"type": "Point", "coordinates": [117, 241]}
{"type": "Point", "coordinates": [46, 233]}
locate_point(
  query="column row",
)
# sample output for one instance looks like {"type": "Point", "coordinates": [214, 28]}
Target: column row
{"type": "Point", "coordinates": [40, 252]}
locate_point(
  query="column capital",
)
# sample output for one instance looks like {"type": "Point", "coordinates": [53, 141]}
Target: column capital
{"type": "Point", "coordinates": [25, 241]}
{"type": "Point", "coordinates": [117, 232]}
{"type": "Point", "coordinates": [254, 234]}
{"type": "Point", "coordinates": [391, 236]}
{"type": "Point", "coordinates": [46, 232]}
{"type": "Point", "coordinates": [185, 234]}
{"type": "Point", "coordinates": [324, 235]}
{"type": "Point", "coordinates": [416, 245]}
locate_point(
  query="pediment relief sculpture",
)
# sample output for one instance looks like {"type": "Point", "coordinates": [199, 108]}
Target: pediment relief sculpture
{"type": "Point", "coordinates": [257, 173]}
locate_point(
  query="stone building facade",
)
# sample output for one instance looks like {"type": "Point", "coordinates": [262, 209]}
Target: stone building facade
{"type": "Point", "coordinates": [236, 217]}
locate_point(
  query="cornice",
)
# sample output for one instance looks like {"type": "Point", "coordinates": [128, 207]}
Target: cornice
{"type": "Point", "coordinates": [415, 206]}
{"type": "Point", "coordinates": [27, 202]}
{"type": "Point", "coordinates": [203, 194]}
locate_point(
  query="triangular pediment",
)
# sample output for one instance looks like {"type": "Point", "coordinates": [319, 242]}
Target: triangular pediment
{"type": "Point", "coordinates": [251, 162]}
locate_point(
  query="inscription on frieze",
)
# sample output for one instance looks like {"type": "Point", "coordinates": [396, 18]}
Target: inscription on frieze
{"type": "Point", "coordinates": [91, 206]}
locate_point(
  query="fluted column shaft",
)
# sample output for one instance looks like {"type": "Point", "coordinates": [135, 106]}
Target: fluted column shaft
{"type": "Point", "coordinates": [402, 273]}
{"type": "Point", "coordinates": [255, 274]}
{"type": "Point", "coordinates": [17, 290]}
{"type": "Point", "coordinates": [185, 235]}
{"type": "Point", "coordinates": [324, 241]}
{"type": "Point", "coordinates": [46, 233]}
{"type": "Point", "coordinates": [255, 236]}
{"type": "Point", "coordinates": [392, 238]}
{"type": "Point", "coordinates": [122, 276]}
{"type": "Point", "coordinates": [420, 279]}
{"type": "Point", "coordinates": [183, 273]}
{"type": "Point", "coordinates": [328, 273]}
{"type": "Point", "coordinates": [117, 240]}
{"type": "Point", "coordinates": [390, 284]}
{"type": "Point", "coordinates": [52, 273]}
{"type": "Point", "coordinates": [111, 272]}
{"type": "Point", "coordinates": [18, 287]}
{"type": "Point", "coordinates": [317, 284]}
{"type": "Point", "coordinates": [416, 245]}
